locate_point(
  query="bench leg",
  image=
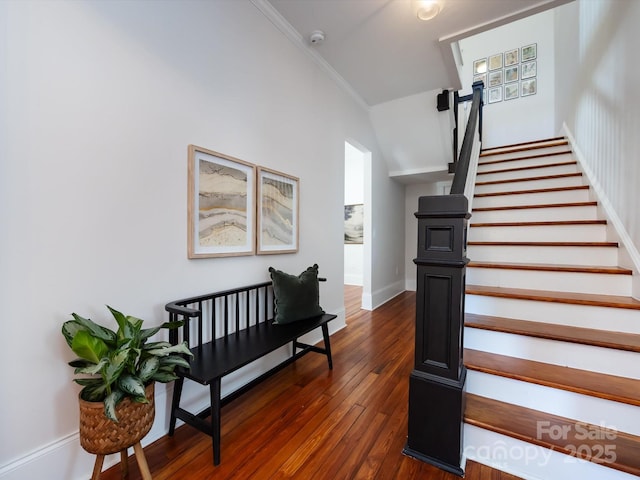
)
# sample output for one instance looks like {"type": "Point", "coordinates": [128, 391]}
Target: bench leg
{"type": "Point", "coordinates": [327, 344]}
{"type": "Point", "coordinates": [175, 403]}
{"type": "Point", "coordinates": [214, 389]}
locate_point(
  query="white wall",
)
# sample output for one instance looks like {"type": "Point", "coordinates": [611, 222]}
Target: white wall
{"type": "Point", "coordinates": [412, 194]}
{"type": "Point", "coordinates": [99, 102]}
{"type": "Point", "coordinates": [387, 239]}
{"type": "Point", "coordinates": [414, 137]}
{"type": "Point", "coordinates": [524, 118]}
{"type": "Point", "coordinates": [353, 195]}
{"type": "Point", "coordinates": [567, 25]}
{"type": "Point", "coordinates": [597, 82]}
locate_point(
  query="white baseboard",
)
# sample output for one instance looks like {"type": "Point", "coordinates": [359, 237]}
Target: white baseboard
{"type": "Point", "coordinates": [65, 459]}
{"type": "Point", "coordinates": [411, 284]}
{"type": "Point", "coordinates": [367, 301]}
{"type": "Point", "coordinates": [383, 295]}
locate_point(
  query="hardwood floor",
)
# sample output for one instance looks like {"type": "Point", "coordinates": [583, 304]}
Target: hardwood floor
{"type": "Point", "coordinates": [307, 422]}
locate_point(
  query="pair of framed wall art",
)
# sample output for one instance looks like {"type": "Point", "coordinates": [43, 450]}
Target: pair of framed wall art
{"type": "Point", "coordinates": [237, 208]}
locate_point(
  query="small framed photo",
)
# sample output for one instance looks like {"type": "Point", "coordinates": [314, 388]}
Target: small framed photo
{"type": "Point", "coordinates": [221, 208]}
{"type": "Point", "coordinates": [278, 207]}
{"type": "Point", "coordinates": [354, 224]}
{"type": "Point", "coordinates": [529, 69]}
{"type": "Point", "coordinates": [511, 57]}
{"type": "Point", "coordinates": [495, 62]}
{"type": "Point", "coordinates": [495, 94]}
{"type": "Point", "coordinates": [480, 78]}
{"type": "Point", "coordinates": [529, 52]}
{"type": "Point", "coordinates": [511, 91]}
{"type": "Point", "coordinates": [528, 87]}
{"type": "Point", "coordinates": [480, 66]}
{"type": "Point", "coordinates": [511, 74]}
{"type": "Point", "coordinates": [495, 78]}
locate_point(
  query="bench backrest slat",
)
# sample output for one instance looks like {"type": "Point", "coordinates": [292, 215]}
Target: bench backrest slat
{"type": "Point", "coordinates": [246, 309]}
{"type": "Point", "coordinates": [226, 315]}
{"type": "Point", "coordinates": [200, 323]}
{"type": "Point", "coordinates": [221, 314]}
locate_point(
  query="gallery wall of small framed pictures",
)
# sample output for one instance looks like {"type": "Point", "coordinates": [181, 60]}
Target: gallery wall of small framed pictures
{"type": "Point", "coordinates": [508, 75]}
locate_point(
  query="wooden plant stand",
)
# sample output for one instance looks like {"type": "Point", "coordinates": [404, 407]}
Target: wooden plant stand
{"type": "Point", "coordinates": [124, 464]}
{"type": "Point", "coordinates": [101, 436]}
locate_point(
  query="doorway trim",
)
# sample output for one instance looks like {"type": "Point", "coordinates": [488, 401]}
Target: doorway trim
{"type": "Point", "coordinates": [367, 302]}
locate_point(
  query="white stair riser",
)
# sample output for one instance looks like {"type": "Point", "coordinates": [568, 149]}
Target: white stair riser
{"type": "Point", "coordinates": [563, 196]}
{"type": "Point", "coordinates": [606, 256]}
{"type": "Point", "coordinates": [524, 162]}
{"type": "Point", "coordinates": [577, 282]}
{"type": "Point", "coordinates": [584, 357]}
{"type": "Point", "coordinates": [541, 170]}
{"type": "Point", "coordinates": [545, 233]}
{"type": "Point", "coordinates": [531, 462]}
{"type": "Point", "coordinates": [536, 214]}
{"type": "Point", "coordinates": [507, 154]}
{"type": "Point", "coordinates": [619, 417]}
{"type": "Point", "coordinates": [587, 316]}
{"type": "Point", "coordinates": [519, 186]}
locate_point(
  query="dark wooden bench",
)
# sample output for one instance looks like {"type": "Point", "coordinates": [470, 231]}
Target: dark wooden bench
{"type": "Point", "coordinates": [226, 331]}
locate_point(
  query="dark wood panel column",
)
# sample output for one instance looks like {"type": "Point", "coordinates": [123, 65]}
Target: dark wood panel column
{"type": "Point", "coordinates": [437, 382]}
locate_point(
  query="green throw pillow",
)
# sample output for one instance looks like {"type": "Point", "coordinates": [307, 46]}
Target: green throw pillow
{"type": "Point", "coordinates": [296, 297]}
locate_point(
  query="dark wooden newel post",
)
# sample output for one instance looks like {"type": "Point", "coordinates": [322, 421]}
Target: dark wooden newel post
{"type": "Point", "coordinates": [437, 382]}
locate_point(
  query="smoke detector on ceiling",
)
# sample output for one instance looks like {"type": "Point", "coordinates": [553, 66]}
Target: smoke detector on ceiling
{"type": "Point", "coordinates": [316, 37]}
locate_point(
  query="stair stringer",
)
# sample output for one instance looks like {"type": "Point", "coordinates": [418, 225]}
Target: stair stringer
{"type": "Point", "coordinates": [628, 254]}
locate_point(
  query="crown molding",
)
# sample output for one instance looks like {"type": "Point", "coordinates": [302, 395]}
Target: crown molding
{"type": "Point", "coordinates": [298, 40]}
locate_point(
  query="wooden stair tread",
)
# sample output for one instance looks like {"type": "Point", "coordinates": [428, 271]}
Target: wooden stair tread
{"type": "Point", "coordinates": [539, 224]}
{"type": "Point", "coordinates": [530, 179]}
{"type": "Point", "coordinates": [540, 205]}
{"type": "Point", "coordinates": [548, 267]}
{"type": "Point", "coordinates": [612, 301]}
{"type": "Point", "coordinates": [523, 147]}
{"type": "Point", "coordinates": [524, 157]}
{"type": "Point", "coordinates": [629, 342]}
{"type": "Point", "coordinates": [545, 244]}
{"type": "Point", "coordinates": [530, 167]}
{"type": "Point", "coordinates": [534, 142]}
{"type": "Point", "coordinates": [536, 190]}
{"type": "Point", "coordinates": [594, 384]}
{"type": "Point", "coordinates": [524, 424]}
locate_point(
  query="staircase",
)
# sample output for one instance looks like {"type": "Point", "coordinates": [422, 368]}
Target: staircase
{"type": "Point", "coordinates": [552, 335]}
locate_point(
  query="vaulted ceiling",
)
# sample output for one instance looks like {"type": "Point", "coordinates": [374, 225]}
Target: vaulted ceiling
{"type": "Point", "coordinates": [392, 63]}
{"type": "Point", "coordinates": [380, 48]}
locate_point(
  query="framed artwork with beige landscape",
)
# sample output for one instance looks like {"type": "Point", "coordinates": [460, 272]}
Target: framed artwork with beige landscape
{"type": "Point", "coordinates": [221, 205]}
{"type": "Point", "coordinates": [278, 205]}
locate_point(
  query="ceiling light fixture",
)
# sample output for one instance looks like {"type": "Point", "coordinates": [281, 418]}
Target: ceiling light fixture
{"type": "Point", "coordinates": [427, 9]}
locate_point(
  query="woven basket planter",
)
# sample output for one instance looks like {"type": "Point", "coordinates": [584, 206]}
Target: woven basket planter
{"type": "Point", "coordinates": [101, 436]}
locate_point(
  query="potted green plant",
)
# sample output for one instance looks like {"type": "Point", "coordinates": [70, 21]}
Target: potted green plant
{"type": "Point", "coordinates": [118, 370]}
